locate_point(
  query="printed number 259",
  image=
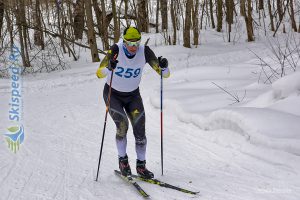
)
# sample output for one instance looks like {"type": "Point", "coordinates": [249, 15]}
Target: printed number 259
{"type": "Point", "coordinates": [128, 73]}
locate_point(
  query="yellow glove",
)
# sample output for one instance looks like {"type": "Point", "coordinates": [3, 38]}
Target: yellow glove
{"type": "Point", "coordinates": [99, 73]}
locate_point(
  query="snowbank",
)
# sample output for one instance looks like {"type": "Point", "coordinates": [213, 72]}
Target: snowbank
{"type": "Point", "coordinates": [283, 96]}
{"type": "Point", "coordinates": [260, 126]}
{"type": "Point", "coordinates": [286, 86]}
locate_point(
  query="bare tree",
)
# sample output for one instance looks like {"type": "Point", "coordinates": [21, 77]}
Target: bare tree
{"type": "Point", "coordinates": [116, 23]}
{"type": "Point", "coordinates": [78, 19]}
{"type": "Point", "coordinates": [10, 27]}
{"type": "Point", "coordinates": [284, 57]}
{"type": "Point", "coordinates": [1, 15]}
{"type": "Point", "coordinates": [281, 18]}
{"type": "Point", "coordinates": [249, 21]}
{"type": "Point", "coordinates": [292, 15]}
{"type": "Point", "coordinates": [104, 26]}
{"type": "Point", "coordinates": [298, 7]}
{"type": "Point", "coordinates": [281, 13]}
{"type": "Point", "coordinates": [99, 18]}
{"type": "Point", "coordinates": [229, 15]}
{"type": "Point", "coordinates": [202, 14]}
{"type": "Point", "coordinates": [260, 4]}
{"type": "Point", "coordinates": [22, 30]}
{"type": "Point", "coordinates": [174, 21]}
{"type": "Point", "coordinates": [271, 15]}
{"type": "Point", "coordinates": [279, 9]}
{"type": "Point", "coordinates": [262, 13]}
{"type": "Point", "coordinates": [212, 14]}
{"type": "Point", "coordinates": [38, 34]}
{"type": "Point", "coordinates": [196, 23]}
{"type": "Point", "coordinates": [126, 13]}
{"type": "Point", "coordinates": [61, 29]}
{"type": "Point", "coordinates": [164, 14]}
{"type": "Point", "coordinates": [219, 15]}
{"type": "Point", "coordinates": [157, 15]}
{"type": "Point", "coordinates": [187, 24]}
{"type": "Point", "coordinates": [142, 18]}
{"type": "Point", "coordinates": [91, 33]}
{"type": "Point", "coordinates": [243, 8]}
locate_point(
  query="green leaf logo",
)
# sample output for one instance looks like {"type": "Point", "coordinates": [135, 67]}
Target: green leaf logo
{"type": "Point", "coordinates": [13, 129]}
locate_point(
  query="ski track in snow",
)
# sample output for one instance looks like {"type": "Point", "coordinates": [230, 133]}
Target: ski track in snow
{"type": "Point", "coordinates": [212, 153]}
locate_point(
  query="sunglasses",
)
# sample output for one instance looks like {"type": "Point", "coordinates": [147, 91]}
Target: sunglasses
{"type": "Point", "coordinates": [133, 43]}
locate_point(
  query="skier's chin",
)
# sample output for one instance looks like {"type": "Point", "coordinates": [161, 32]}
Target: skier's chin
{"type": "Point", "coordinates": [133, 52]}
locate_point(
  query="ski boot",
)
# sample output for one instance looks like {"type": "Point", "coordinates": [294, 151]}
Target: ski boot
{"type": "Point", "coordinates": [124, 166]}
{"type": "Point", "coordinates": [142, 171]}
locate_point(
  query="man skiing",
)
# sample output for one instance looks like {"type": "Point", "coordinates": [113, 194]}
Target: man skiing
{"type": "Point", "coordinates": [127, 59]}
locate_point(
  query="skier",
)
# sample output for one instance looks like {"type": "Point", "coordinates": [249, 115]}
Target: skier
{"type": "Point", "coordinates": [127, 59]}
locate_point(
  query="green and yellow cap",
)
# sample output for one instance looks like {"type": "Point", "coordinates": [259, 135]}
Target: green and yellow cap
{"type": "Point", "coordinates": [132, 33]}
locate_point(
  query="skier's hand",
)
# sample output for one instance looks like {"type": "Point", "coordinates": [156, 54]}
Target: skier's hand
{"type": "Point", "coordinates": [99, 73]}
{"type": "Point", "coordinates": [163, 62]}
{"type": "Point", "coordinates": [112, 64]}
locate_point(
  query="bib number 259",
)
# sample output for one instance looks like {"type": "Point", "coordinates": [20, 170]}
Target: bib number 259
{"type": "Point", "coordinates": [127, 72]}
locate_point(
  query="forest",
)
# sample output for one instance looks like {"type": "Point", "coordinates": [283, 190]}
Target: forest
{"type": "Point", "coordinates": [48, 31]}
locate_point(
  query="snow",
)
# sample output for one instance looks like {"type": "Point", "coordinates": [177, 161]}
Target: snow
{"type": "Point", "coordinates": [225, 149]}
{"type": "Point", "coordinates": [287, 86]}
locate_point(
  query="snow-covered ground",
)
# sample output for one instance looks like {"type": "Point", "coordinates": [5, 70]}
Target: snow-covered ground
{"type": "Point", "coordinates": [226, 150]}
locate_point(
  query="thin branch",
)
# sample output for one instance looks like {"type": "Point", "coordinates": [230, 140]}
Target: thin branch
{"type": "Point", "coordinates": [235, 97]}
{"type": "Point", "coordinates": [61, 36]}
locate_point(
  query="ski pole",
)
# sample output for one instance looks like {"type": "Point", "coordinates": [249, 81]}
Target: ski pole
{"type": "Point", "coordinates": [161, 123]}
{"type": "Point", "coordinates": [105, 120]}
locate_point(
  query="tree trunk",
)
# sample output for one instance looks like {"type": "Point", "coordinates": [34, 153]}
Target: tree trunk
{"type": "Point", "coordinates": [187, 24]}
{"type": "Point", "coordinates": [116, 23]}
{"type": "Point", "coordinates": [298, 7]}
{"type": "Point", "coordinates": [78, 19]}
{"type": "Point", "coordinates": [157, 16]}
{"type": "Point", "coordinates": [229, 16]}
{"type": "Point", "coordinates": [10, 27]}
{"type": "Point", "coordinates": [281, 19]}
{"type": "Point", "coordinates": [104, 27]}
{"type": "Point", "coordinates": [38, 34]}
{"type": "Point", "coordinates": [25, 33]}
{"type": "Point", "coordinates": [21, 24]}
{"type": "Point", "coordinates": [59, 7]}
{"type": "Point", "coordinates": [98, 14]}
{"type": "Point", "coordinates": [261, 4]}
{"type": "Point", "coordinates": [164, 14]}
{"type": "Point", "coordinates": [202, 14]}
{"type": "Point", "coordinates": [243, 8]}
{"type": "Point", "coordinates": [207, 13]}
{"type": "Point", "coordinates": [279, 9]}
{"type": "Point", "coordinates": [126, 13]}
{"type": "Point", "coordinates": [212, 14]}
{"type": "Point", "coordinates": [142, 18]}
{"type": "Point", "coordinates": [249, 21]}
{"type": "Point", "coordinates": [91, 32]}
{"type": "Point", "coordinates": [174, 22]}
{"type": "Point", "coordinates": [1, 16]}
{"type": "Point", "coordinates": [292, 15]}
{"type": "Point", "coordinates": [262, 14]}
{"type": "Point", "coordinates": [196, 23]}
{"type": "Point", "coordinates": [271, 15]}
{"type": "Point", "coordinates": [219, 15]}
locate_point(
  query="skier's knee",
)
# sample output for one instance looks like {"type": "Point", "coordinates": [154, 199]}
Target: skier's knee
{"type": "Point", "coordinates": [122, 129]}
{"type": "Point", "coordinates": [141, 141]}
